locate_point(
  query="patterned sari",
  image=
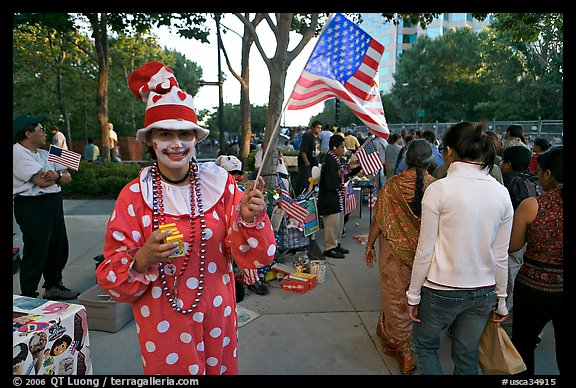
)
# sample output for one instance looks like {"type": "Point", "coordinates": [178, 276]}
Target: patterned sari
{"type": "Point", "coordinates": [399, 229]}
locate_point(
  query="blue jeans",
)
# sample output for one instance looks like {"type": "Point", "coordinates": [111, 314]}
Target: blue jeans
{"type": "Point", "coordinates": [467, 311]}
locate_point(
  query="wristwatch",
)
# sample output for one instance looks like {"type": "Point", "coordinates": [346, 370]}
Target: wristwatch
{"type": "Point", "coordinates": [59, 175]}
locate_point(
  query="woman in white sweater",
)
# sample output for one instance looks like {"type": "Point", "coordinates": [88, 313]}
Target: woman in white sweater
{"type": "Point", "coordinates": [460, 267]}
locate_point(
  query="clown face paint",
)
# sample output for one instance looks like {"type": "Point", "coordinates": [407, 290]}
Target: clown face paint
{"type": "Point", "coordinates": [173, 148]}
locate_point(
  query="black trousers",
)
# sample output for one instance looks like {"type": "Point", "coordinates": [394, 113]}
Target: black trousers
{"type": "Point", "coordinates": [531, 312]}
{"type": "Point", "coordinates": [45, 251]}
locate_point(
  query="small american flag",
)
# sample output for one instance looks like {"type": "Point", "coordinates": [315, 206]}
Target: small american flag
{"type": "Point", "coordinates": [344, 64]}
{"type": "Point", "coordinates": [294, 209]}
{"type": "Point", "coordinates": [64, 157]}
{"type": "Point", "coordinates": [349, 198]}
{"type": "Point", "coordinates": [373, 196]}
{"type": "Point", "coordinates": [369, 159]}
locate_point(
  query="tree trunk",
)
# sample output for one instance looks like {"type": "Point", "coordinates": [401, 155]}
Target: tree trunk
{"type": "Point", "coordinates": [100, 35]}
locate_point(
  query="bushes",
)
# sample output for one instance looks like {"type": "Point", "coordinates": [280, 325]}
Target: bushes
{"type": "Point", "coordinates": [99, 180]}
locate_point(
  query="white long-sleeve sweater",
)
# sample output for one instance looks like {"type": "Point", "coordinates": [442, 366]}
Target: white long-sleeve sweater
{"type": "Point", "coordinates": [464, 234]}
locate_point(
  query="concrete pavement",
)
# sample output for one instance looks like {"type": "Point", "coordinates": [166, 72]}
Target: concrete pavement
{"type": "Point", "coordinates": [329, 330]}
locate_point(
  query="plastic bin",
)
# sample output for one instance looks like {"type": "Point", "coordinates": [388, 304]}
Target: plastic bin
{"type": "Point", "coordinates": [104, 314]}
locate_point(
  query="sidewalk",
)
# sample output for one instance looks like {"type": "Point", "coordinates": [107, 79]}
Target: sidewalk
{"type": "Point", "coordinates": [329, 330]}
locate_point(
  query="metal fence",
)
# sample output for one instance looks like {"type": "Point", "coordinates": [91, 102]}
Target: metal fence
{"type": "Point", "coordinates": [553, 130]}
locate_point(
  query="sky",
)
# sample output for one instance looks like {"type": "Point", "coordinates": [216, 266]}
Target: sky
{"type": "Point", "coordinates": [206, 56]}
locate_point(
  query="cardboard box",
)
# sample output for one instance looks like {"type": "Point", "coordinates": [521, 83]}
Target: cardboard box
{"type": "Point", "coordinates": [298, 286]}
{"type": "Point", "coordinates": [105, 314]}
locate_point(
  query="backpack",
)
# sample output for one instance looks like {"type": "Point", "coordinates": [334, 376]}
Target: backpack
{"type": "Point", "coordinates": [522, 186]}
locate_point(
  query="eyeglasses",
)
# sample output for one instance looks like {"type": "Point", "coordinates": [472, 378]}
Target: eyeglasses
{"type": "Point", "coordinates": [42, 130]}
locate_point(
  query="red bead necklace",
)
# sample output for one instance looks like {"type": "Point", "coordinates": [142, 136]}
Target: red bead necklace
{"type": "Point", "coordinates": [159, 218]}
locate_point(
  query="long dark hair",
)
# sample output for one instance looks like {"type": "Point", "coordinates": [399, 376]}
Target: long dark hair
{"type": "Point", "coordinates": [419, 154]}
{"type": "Point", "coordinates": [553, 160]}
{"type": "Point", "coordinates": [469, 141]}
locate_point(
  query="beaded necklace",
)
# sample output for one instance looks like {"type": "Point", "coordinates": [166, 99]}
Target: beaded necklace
{"type": "Point", "coordinates": [158, 218]}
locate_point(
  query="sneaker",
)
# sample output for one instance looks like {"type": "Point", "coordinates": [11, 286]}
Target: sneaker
{"type": "Point", "coordinates": [342, 250]}
{"type": "Point", "coordinates": [334, 253]}
{"type": "Point", "coordinates": [259, 288]}
{"type": "Point", "coordinates": [60, 292]}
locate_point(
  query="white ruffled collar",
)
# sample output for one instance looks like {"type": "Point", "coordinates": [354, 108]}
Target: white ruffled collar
{"type": "Point", "coordinates": [177, 198]}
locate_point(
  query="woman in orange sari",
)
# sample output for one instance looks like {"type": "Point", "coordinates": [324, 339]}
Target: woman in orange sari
{"type": "Point", "coordinates": [397, 222]}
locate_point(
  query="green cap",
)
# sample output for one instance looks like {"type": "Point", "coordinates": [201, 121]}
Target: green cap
{"type": "Point", "coordinates": [21, 122]}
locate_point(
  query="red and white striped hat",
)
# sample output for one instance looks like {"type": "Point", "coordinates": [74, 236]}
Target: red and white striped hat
{"type": "Point", "coordinates": [167, 106]}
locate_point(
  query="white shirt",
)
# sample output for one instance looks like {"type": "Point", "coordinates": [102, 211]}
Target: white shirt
{"type": "Point", "coordinates": [464, 234]}
{"type": "Point", "coordinates": [59, 140]}
{"type": "Point", "coordinates": [25, 164]}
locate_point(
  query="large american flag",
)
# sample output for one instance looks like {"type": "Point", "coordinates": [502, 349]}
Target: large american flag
{"type": "Point", "coordinates": [369, 159]}
{"type": "Point", "coordinates": [64, 157]}
{"type": "Point", "coordinates": [344, 64]}
{"type": "Point", "coordinates": [294, 209]}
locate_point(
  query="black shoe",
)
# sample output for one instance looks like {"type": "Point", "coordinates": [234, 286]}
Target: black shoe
{"type": "Point", "coordinates": [342, 250]}
{"type": "Point", "coordinates": [259, 288]}
{"type": "Point", "coordinates": [334, 253]}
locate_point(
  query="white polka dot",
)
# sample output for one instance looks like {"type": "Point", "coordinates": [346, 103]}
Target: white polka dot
{"type": "Point", "coordinates": [146, 220]}
{"type": "Point", "coordinates": [113, 293]}
{"type": "Point", "coordinates": [234, 353]}
{"type": "Point", "coordinates": [172, 358]}
{"type": "Point", "coordinates": [208, 233]}
{"type": "Point", "coordinates": [179, 303]}
{"type": "Point", "coordinates": [257, 264]}
{"type": "Point", "coordinates": [111, 277]}
{"type": "Point", "coordinates": [156, 292]}
{"type": "Point", "coordinates": [192, 283]}
{"type": "Point", "coordinates": [137, 329]}
{"type": "Point", "coordinates": [193, 369]}
{"type": "Point", "coordinates": [260, 226]}
{"type": "Point", "coordinates": [131, 210]}
{"type": "Point", "coordinates": [145, 311]}
{"type": "Point", "coordinates": [198, 317]}
{"type": "Point", "coordinates": [113, 216]}
{"type": "Point", "coordinates": [150, 346]}
{"type": "Point", "coordinates": [212, 267]}
{"type": "Point", "coordinates": [136, 235]}
{"type": "Point", "coordinates": [226, 278]}
{"type": "Point", "coordinates": [212, 361]}
{"type": "Point", "coordinates": [200, 346]}
{"type": "Point", "coordinates": [186, 338]}
{"type": "Point", "coordinates": [220, 247]}
{"type": "Point", "coordinates": [227, 311]}
{"type": "Point", "coordinates": [216, 332]}
{"type": "Point", "coordinates": [135, 188]}
{"type": "Point", "coordinates": [151, 276]}
{"type": "Point", "coordinates": [124, 260]}
{"type": "Point", "coordinates": [118, 236]}
{"type": "Point", "coordinates": [253, 242]}
{"type": "Point", "coordinates": [215, 215]}
{"type": "Point", "coordinates": [223, 369]}
{"type": "Point", "coordinates": [226, 341]}
{"type": "Point", "coordinates": [163, 327]}
{"type": "Point", "coordinates": [231, 188]}
{"type": "Point", "coordinates": [234, 227]}
{"type": "Point", "coordinates": [139, 293]}
{"type": "Point", "coordinates": [271, 250]}
{"type": "Point", "coordinates": [217, 301]}
{"type": "Point", "coordinates": [244, 248]}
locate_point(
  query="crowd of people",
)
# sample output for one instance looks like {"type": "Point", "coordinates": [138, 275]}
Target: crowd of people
{"type": "Point", "coordinates": [466, 228]}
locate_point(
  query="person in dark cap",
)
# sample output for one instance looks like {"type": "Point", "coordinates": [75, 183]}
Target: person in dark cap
{"type": "Point", "coordinates": [39, 211]}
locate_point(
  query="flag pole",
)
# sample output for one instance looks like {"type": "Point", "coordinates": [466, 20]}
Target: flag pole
{"type": "Point", "coordinates": [275, 129]}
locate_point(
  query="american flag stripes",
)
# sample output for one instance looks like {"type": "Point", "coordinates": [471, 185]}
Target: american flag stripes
{"type": "Point", "coordinates": [369, 159]}
{"type": "Point", "coordinates": [349, 198]}
{"type": "Point", "coordinates": [64, 157]}
{"type": "Point", "coordinates": [294, 210]}
{"type": "Point", "coordinates": [344, 64]}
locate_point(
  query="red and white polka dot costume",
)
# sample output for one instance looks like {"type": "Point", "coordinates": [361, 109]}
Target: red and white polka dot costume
{"type": "Point", "coordinates": [205, 341]}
